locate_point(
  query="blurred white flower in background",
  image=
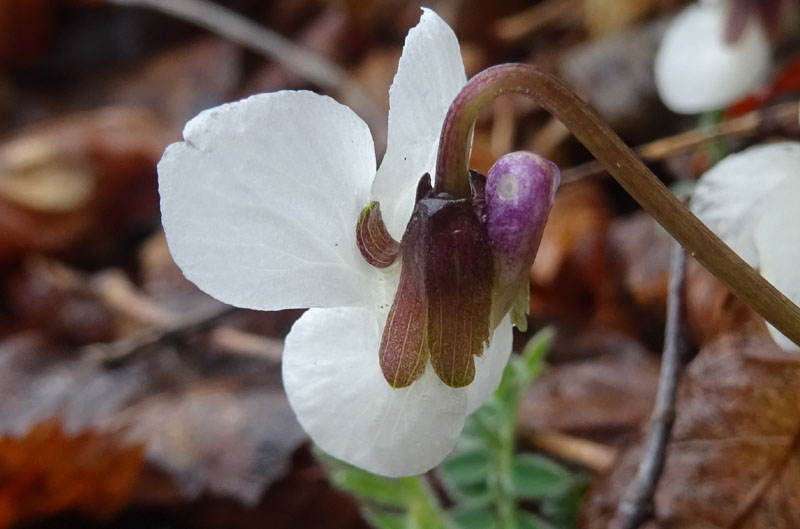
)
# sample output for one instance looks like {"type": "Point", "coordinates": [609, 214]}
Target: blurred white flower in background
{"type": "Point", "coordinates": [751, 199]}
{"type": "Point", "coordinates": [697, 70]}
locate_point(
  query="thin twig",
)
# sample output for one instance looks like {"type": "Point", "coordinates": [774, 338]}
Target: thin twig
{"type": "Point", "coordinates": [637, 503]}
{"type": "Point", "coordinates": [525, 22]}
{"type": "Point", "coordinates": [767, 120]}
{"type": "Point", "coordinates": [595, 456]}
{"type": "Point", "coordinates": [305, 63]}
{"type": "Point", "coordinates": [117, 353]}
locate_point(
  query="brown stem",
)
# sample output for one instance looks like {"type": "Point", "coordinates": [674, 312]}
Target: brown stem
{"type": "Point", "coordinates": [622, 164]}
{"type": "Point", "coordinates": [637, 503]}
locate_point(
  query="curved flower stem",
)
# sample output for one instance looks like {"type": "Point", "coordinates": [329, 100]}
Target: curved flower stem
{"type": "Point", "coordinates": [621, 163]}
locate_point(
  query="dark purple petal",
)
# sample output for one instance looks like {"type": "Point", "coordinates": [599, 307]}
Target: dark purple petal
{"type": "Point", "coordinates": [459, 273]}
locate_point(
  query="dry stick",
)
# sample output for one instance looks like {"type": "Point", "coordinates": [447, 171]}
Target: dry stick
{"type": "Point", "coordinates": [116, 353]}
{"type": "Point", "coordinates": [637, 503]}
{"type": "Point", "coordinates": [594, 456]}
{"type": "Point", "coordinates": [624, 166]}
{"type": "Point", "coordinates": [121, 295]}
{"type": "Point", "coordinates": [245, 32]}
{"type": "Point", "coordinates": [776, 117]}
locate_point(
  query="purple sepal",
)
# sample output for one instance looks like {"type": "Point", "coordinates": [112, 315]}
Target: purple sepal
{"type": "Point", "coordinates": [520, 188]}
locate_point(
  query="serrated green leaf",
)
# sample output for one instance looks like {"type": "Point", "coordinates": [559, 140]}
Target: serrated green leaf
{"type": "Point", "coordinates": [535, 351]}
{"type": "Point", "coordinates": [466, 467]}
{"type": "Point", "coordinates": [467, 518]}
{"type": "Point", "coordinates": [526, 520]}
{"type": "Point", "coordinates": [473, 495]}
{"type": "Point", "coordinates": [564, 509]}
{"type": "Point", "coordinates": [488, 420]}
{"type": "Point", "coordinates": [535, 477]}
{"type": "Point", "coordinates": [382, 520]}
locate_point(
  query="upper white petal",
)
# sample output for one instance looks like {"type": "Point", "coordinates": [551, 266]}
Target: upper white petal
{"type": "Point", "coordinates": [731, 195]}
{"type": "Point", "coordinates": [777, 236]}
{"type": "Point", "coordinates": [335, 386]}
{"type": "Point", "coordinates": [489, 367]}
{"type": "Point", "coordinates": [697, 71]}
{"type": "Point", "coordinates": [429, 76]}
{"type": "Point", "coordinates": [260, 202]}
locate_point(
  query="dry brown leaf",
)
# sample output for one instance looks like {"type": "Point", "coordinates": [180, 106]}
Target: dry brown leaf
{"type": "Point", "coordinates": [47, 472]}
{"type": "Point", "coordinates": [601, 386]}
{"type": "Point", "coordinates": [211, 423]}
{"type": "Point", "coordinates": [734, 457]}
{"type": "Point", "coordinates": [570, 270]}
{"type": "Point", "coordinates": [83, 179]}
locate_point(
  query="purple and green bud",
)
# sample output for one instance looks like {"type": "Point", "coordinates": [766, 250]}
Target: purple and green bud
{"type": "Point", "coordinates": [519, 193]}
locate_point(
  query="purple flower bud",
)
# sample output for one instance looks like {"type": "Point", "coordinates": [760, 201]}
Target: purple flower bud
{"type": "Point", "coordinates": [520, 188]}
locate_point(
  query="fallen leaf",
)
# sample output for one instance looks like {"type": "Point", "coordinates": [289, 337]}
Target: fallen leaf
{"type": "Point", "coordinates": [81, 181]}
{"type": "Point", "coordinates": [569, 274]}
{"type": "Point", "coordinates": [46, 472]}
{"type": "Point", "coordinates": [600, 386]}
{"type": "Point", "coordinates": [734, 457]}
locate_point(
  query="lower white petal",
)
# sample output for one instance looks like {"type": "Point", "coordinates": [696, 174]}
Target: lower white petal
{"type": "Point", "coordinates": [260, 203]}
{"type": "Point", "coordinates": [778, 242]}
{"type": "Point", "coordinates": [730, 196]}
{"type": "Point", "coordinates": [489, 367]}
{"type": "Point", "coordinates": [335, 386]}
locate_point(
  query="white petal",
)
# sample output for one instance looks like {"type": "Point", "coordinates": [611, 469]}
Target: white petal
{"type": "Point", "coordinates": [489, 367]}
{"type": "Point", "coordinates": [777, 236]}
{"type": "Point", "coordinates": [260, 202]}
{"type": "Point", "coordinates": [697, 71]}
{"type": "Point", "coordinates": [336, 388]}
{"type": "Point", "coordinates": [429, 76]}
{"type": "Point", "coordinates": [731, 195]}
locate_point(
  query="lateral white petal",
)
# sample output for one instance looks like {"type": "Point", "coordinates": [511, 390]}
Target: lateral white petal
{"type": "Point", "coordinates": [489, 367]}
{"type": "Point", "coordinates": [429, 76]}
{"type": "Point", "coordinates": [697, 71]}
{"type": "Point", "coordinates": [335, 386]}
{"type": "Point", "coordinates": [260, 202]}
{"type": "Point", "coordinates": [777, 237]}
{"type": "Point", "coordinates": [731, 195]}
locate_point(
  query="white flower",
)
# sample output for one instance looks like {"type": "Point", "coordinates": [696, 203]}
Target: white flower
{"type": "Point", "coordinates": [750, 199]}
{"type": "Point", "coordinates": [697, 71]}
{"type": "Point", "coordinates": [260, 204]}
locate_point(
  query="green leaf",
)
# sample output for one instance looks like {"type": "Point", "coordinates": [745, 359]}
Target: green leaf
{"type": "Point", "coordinates": [470, 495]}
{"type": "Point", "coordinates": [535, 351]}
{"type": "Point", "coordinates": [466, 467]}
{"type": "Point", "coordinates": [535, 477]}
{"type": "Point", "coordinates": [525, 520]}
{"type": "Point", "coordinates": [564, 509]}
{"type": "Point", "coordinates": [370, 486]}
{"type": "Point", "coordinates": [382, 520]}
{"type": "Point", "coordinates": [468, 518]}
